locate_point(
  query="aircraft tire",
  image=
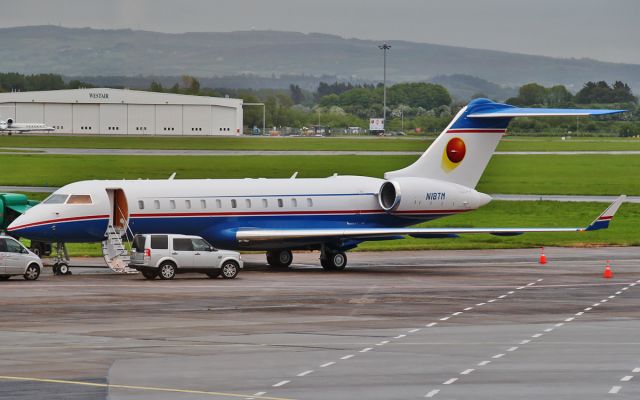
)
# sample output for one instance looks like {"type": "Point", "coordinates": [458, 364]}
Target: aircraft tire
{"type": "Point", "coordinates": [279, 258]}
{"type": "Point", "coordinates": [334, 261]}
{"type": "Point", "coordinates": [63, 269]}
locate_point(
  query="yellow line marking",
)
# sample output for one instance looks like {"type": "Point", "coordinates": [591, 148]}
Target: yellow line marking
{"type": "Point", "coordinates": [154, 389]}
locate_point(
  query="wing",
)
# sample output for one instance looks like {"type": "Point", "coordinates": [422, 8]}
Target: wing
{"type": "Point", "coordinates": [272, 235]}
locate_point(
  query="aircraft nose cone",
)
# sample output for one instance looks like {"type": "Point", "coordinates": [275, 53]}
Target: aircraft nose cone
{"type": "Point", "coordinates": [18, 226]}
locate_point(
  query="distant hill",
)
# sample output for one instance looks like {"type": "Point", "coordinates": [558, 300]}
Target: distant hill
{"type": "Point", "coordinates": [91, 52]}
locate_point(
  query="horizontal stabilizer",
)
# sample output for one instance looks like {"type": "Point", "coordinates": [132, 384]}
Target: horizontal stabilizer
{"type": "Point", "coordinates": [511, 112]}
{"type": "Point", "coordinates": [303, 235]}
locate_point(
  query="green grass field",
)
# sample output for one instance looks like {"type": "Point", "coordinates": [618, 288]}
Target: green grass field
{"type": "Point", "coordinates": [365, 143]}
{"type": "Point", "coordinates": [622, 232]}
{"type": "Point", "coordinates": [517, 174]}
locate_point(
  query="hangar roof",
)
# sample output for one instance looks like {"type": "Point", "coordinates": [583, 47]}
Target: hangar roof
{"type": "Point", "coordinates": [114, 96]}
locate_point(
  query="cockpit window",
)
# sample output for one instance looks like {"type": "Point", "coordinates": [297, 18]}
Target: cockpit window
{"type": "Point", "coordinates": [56, 199]}
{"type": "Point", "coordinates": [79, 199]}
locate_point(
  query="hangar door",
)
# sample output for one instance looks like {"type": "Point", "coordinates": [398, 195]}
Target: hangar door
{"type": "Point", "coordinates": [86, 118]}
{"type": "Point", "coordinates": [113, 119]}
{"type": "Point", "coordinates": [30, 112]}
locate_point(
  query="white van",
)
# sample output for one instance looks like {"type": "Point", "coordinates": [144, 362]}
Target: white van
{"type": "Point", "coordinates": [15, 259]}
{"type": "Point", "coordinates": [167, 255]}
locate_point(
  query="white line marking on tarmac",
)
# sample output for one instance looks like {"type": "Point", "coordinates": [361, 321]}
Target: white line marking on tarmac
{"type": "Point", "coordinates": [636, 370]}
{"type": "Point", "coordinates": [305, 373]}
{"type": "Point", "coordinates": [444, 318]}
{"type": "Point", "coordinates": [468, 309]}
{"type": "Point", "coordinates": [366, 349]}
{"type": "Point", "coordinates": [431, 324]}
{"type": "Point", "coordinates": [588, 309]}
{"type": "Point", "coordinates": [579, 313]}
{"type": "Point", "coordinates": [498, 355]}
{"type": "Point", "coordinates": [483, 363]}
{"type": "Point", "coordinates": [491, 301]}
{"type": "Point", "coordinates": [540, 280]}
{"type": "Point", "coordinates": [456, 313]}
{"type": "Point", "coordinates": [537, 335]}
{"type": "Point", "coordinates": [511, 292]}
{"type": "Point", "coordinates": [502, 297]}
{"type": "Point", "coordinates": [612, 296]}
{"type": "Point", "coordinates": [480, 304]}
{"type": "Point", "coordinates": [399, 336]}
{"type": "Point", "coordinates": [548, 329]}
{"type": "Point", "coordinates": [525, 341]}
{"type": "Point", "coordinates": [330, 363]}
{"type": "Point", "coordinates": [619, 292]}
{"type": "Point", "coordinates": [432, 393]}
{"type": "Point", "coordinates": [604, 300]}
{"type": "Point", "coordinates": [520, 287]}
{"type": "Point", "coordinates": [346, 357]}
{"type": "Point", "coordinates": [625, 288]}
{"type": "Point", "coordinates": [514, 348]}
{"type": "Point", "coordinates": [626, 378]}
{"type": "Point", "coordinates": [281, 383]}
{"type": "Point", "coordinates": [467, 371]}
{"type": "Point", "coordinates": [382, 343]}
{"type": "Point", "coordinates": [450, 381]}
{"type": "Point", "coordinates": [569, 319]}
{"type": "Point", "coordinates": [615, 389]}
{"type": "Point", "coordinates": [414, 330]}
{"type": "Point", "coordinates": [259, 393]}
{"type": "Point", "coordinates": [633, 284]}
{"type": "Point", "coordinates": [531, 284]}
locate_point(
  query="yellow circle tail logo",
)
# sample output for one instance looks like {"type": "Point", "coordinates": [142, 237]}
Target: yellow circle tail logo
{"type": "Point", "coordinates": [453, 154]}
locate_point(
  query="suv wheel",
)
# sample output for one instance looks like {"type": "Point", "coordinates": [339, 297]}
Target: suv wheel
{"type": "Point", "coordinates": [149, 274]}
{"type": "Point", "coordinates": [167, 270]}
{"type": "Point", "coordinates": [32, 273]}
{"type": "Point", "coordinates": [229, 269]}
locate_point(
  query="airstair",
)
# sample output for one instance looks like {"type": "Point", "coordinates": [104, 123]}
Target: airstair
{"type": "Point", "coordinates": [115, 253]}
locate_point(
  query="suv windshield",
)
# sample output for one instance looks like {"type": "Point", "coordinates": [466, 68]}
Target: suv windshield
{"type": "Point", "coordinates": [200, 245]}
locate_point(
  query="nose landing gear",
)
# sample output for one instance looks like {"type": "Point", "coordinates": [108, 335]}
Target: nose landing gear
{"type": "Point", "coordinates": [61, 265]}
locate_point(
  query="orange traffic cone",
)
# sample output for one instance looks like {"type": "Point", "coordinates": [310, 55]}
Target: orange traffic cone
{"type": "Point", "coordinates": [608, 274]}
{"type": "Point", "coordinates": [543, 258]}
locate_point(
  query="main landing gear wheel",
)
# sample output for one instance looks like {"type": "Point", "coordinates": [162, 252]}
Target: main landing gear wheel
{"type": "Point", "coordinates": [334, 261]}
{"type": "Point", "coordinates": [61, 269]}
{"type": "Point", "coordinates": [279, 258]}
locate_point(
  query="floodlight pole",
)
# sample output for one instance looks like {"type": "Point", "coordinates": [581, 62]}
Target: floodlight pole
{"type": "Point", "coordinates": [384, 47]}
{"type": "Point", "coordinates": [264, 114]}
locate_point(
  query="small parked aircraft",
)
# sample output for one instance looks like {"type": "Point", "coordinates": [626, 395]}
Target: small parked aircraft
{"type": "Point", "coordinates": [21, 127]}
{"type": "Point", "coordinates": [332, 214]}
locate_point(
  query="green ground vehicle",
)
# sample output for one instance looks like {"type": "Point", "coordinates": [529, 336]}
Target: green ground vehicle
{"type": "Point", "coordinates": [13, 205]}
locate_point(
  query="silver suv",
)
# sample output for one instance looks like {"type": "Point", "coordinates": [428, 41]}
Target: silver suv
{"type": "Point", "coordinates": [168, 255]}
{"type": "Point", "coordinates": [15, 259]}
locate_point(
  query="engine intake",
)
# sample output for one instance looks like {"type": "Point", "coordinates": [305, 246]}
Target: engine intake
{"type": "Point", "coordinates": [389, 196]}
{"type": "Point", "coordinates": [9, 122]}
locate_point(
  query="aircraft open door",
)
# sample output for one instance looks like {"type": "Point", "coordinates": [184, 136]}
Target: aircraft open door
{"type": "Point", "coordinates": [119, 209]}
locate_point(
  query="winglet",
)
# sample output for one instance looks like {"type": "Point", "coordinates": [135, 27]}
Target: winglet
{"type": "Point", "coordinates": [602, 222]}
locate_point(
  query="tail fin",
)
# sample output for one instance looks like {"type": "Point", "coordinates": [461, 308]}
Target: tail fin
{"type": "Point", "coordinates": [462, 151]}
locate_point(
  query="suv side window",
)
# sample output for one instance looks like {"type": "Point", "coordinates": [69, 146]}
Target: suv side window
{"type": "Point", "coordinates": [182, 245]}
{"type": "Point", "coordinates": [13, 246]}
{"type": "Point", "coordinates": [159, 242]}
{"type": "Point", "coordinates": [200, 245]}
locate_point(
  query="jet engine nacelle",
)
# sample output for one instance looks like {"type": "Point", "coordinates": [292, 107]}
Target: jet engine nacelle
{"type": "Point", "coordinates": [9, 122]}
{"type": "Point", "coordinates": [407, 195]}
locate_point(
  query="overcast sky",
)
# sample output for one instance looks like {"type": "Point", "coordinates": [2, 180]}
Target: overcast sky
{"type": "Point", "coordinates": [601, 29]}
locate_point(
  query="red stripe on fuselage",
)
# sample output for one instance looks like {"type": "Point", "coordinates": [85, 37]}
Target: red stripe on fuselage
{"type": "Point", "coordinates": [267, 213]}
{"type": "Point", "coordinates": [52, 221]}
{"type": "Point", "coordinates": [476, 131]}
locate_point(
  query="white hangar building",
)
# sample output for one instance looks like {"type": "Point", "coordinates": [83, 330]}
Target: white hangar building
{"type": "Point", "coordinates": [125, 112]}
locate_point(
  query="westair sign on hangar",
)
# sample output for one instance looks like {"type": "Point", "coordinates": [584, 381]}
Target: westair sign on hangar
{"type": "Point", "coordinates": [123, 111]}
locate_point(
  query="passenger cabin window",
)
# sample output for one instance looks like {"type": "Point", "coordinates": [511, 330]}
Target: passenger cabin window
{"type": "Point", "coordinates": [156, 203]}
{"type": "Point", "coordinates": [187, 203]}
{"type": "Point", "coordinates": [79, 199]}
{"type": "Point", "coordinates": [56, 199]}
{"type": "Point", "coordinates": [182, 245]}
{"type": "Point", "coordinates": [309, 202]}
{"type": "Point", "coordinates": [280, 203]}
{"type": "Point", "coordinates": [265, 203]}
{"type": "Point", "coordinates": [294, 202]}
{"type": "Point", "coordinates": [247, 203]}
{"type": "Point", "coordinates": [234, 203]}
{"type": "Point", "coordinates": [172, 204]}
{"type": "Point", "coordinates": [203, 204]}
{"type": "Point", "coordinates": [160, 242]}
{"type": "Point", "coordinates": [218, 203]}
{"type": "Point", "coordinates": [141, 204]}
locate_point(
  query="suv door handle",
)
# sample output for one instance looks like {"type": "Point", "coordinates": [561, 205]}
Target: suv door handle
{"type": "Point", "coordinates": [197, 254]}
{"type": "Point", "coordinates": [174, 253]}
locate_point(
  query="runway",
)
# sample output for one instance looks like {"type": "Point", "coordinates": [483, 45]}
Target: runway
{"type": "Point", "coordinates": [490, 324]}
{"type": "Point", "coordinates": [152, 152]}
